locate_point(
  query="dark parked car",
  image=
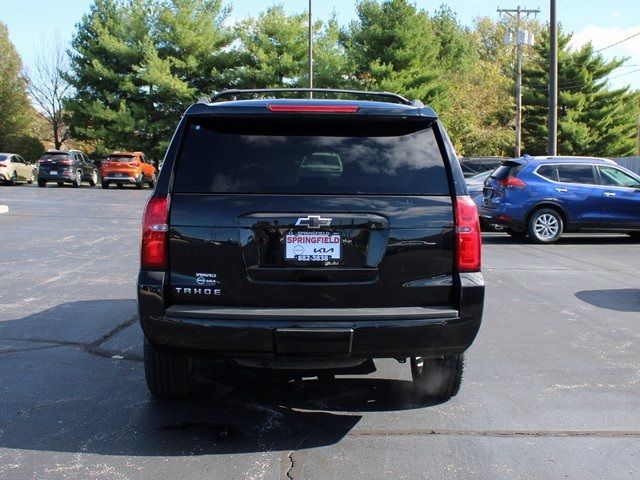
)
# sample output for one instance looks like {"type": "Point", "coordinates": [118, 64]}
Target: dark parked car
{"type": "Point", "coordinates": [310, 235]}
{"type": "Point", "coordinates": [472, 166]}
{"type": "Point", "coordinates": [475, 187]}
{"type": "Point", "coordinates": [66, 166]}
{"type": "Point", "coordinates": [542, 197]}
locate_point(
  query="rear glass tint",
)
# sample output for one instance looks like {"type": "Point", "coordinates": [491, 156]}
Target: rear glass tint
{"type": "Point", "coordinates": [310, 157]}
{"type": "Point", "coordinates": [507, 170]}
{"type": "Point", "coordinates": [120, 158]}
{"type": "Point", "coordinates": [576, 174]}
{"type": "Point", "coordinates": [56, 156]}
{"type": "Point", "coordinates": [548, 172]}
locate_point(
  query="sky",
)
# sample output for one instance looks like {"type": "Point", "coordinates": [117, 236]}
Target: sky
{"type": "Point", "coordinates": [602, 23]}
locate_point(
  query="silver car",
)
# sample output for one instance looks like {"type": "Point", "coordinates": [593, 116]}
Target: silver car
{"type": "Point", "coordinates": [14, 169]}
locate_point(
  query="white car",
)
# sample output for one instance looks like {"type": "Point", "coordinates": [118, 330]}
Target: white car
{"type": "Point", "coordinates": [14, 169]}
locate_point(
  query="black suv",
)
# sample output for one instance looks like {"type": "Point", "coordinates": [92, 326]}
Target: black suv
{"type": "Point", "coordinates": [310, 235]}
{"type": "Point", "coordinates": [66, 166]}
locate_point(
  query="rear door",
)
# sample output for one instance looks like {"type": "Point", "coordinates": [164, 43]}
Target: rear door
{"type": "Point", "coordinates": [578, 192]}
{"type": "Point", "coordinates": [25, 168]}
{"type": "Point", "coordinates": [311, 213]}
{"type": "Point", "coordinates": [620, 197]}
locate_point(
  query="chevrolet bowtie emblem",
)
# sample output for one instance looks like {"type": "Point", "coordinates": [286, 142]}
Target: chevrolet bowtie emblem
{"type": "Point", "coordinates": [313, 221]}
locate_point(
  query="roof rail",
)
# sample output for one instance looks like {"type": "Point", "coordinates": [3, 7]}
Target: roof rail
{"type": "Point", "coordinates": [265, 91]}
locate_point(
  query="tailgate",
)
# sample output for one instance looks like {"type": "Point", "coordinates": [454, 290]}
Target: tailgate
{"type": "Point", "coordinates": [232, 251]}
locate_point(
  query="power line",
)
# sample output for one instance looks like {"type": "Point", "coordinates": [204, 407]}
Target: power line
{"type": "Point", "coordinates": [618, 42]}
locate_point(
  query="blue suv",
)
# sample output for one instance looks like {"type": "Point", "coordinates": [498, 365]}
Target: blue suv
{"type": "Point", "coordinates": [542, 197]}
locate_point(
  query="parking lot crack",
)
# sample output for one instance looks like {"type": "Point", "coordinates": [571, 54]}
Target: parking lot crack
{"type": "Point", "coordinates": [295, 461]}
{"type": "Point", "coordinates": [113, 332]}
{"type": "Point", "coordinates": [27, 349]}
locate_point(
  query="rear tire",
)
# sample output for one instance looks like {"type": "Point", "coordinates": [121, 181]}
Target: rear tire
{"type": "Point", "coordinates": [42, 183]}
{"type": "Point", "coordinates": [152, 182]}
{"type": "Point", "coordinates": [105, 184]}
{"type": "Point", "coordinates": [439, 378]}
{"type": "Point", "coordinates": [545, 226]}
{"type": "Point", "coordinates": [120, 185]}
{"type": "Point", "coordinates": [78, 180]}
{"type": "Point", "coordinates": [140, 183]}
{"type": "Point", "coordinates": [634, 236]}
{"type": "Point", "coordinates": [60, 184]}
{"type": "Point", "coordinates": [14, 179]}
{"type": "Point", "coordinates": [167, 375]}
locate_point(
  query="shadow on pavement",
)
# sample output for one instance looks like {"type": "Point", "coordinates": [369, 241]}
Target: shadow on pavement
{"type": "Point", "coordinates": [620, 300]}
{"type": "Point", "coordinates": [64, 397]}
{"type": "Point", "coordinates": [567, 239]}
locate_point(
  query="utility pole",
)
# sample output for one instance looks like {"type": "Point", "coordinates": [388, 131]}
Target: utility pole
{"type": "Point", "coordinates": [552, 145]}
{"type": "Point", "coordinates": [638, 137]}
{"type": "Point", "coordinates": [310, 57]}
{"type": "Point", "coordinates": [522, 37]}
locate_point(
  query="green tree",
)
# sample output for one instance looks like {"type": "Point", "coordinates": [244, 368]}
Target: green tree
{"type": "Point", "coordinates": [392, 46]}
{"type": "Point", "coordinates": [16, 112]}
{"type": "Point", "coordinates": [272, 52]}
{"type": "Point", "coordinates": [479, 112]}
{"type": "Point", "coordinates": [135, 67]}
{"type": "Point", "coordinates": [593, 118]}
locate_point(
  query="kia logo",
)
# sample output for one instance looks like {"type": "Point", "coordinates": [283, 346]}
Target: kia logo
{"type": "Point", "coordinates": [313, 221]}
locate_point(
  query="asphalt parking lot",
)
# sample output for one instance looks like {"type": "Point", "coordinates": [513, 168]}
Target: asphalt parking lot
{"type": "Point", "coordinates": [551, 390]}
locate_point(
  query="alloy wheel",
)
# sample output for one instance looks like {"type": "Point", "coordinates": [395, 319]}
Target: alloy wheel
{"type": "Point", "coordinates": [546, 226]}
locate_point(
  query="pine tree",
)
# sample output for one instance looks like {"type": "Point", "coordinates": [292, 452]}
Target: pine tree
{"type": "Point", "coordinates": [136, 66]}
{"type": "Point", "coordinates": [273, 52]}
{"type": "Point", "coordinates": [392, 46]}
{"type": "Point", "coordinates": [593, 118]}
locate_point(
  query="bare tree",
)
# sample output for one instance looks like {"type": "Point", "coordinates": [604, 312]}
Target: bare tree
{"type": "Point", "coordinates": [48, 87]}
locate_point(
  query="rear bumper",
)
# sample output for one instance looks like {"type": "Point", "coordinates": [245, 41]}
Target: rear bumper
{"type": "Point", "coordinates": [66, 178]}
{"type": "Point", "coordinates": [502, 215]}
{"type": "Point", "coordinates": [120, 179]}
{"type": "Point", "coordinates": [337, 333]}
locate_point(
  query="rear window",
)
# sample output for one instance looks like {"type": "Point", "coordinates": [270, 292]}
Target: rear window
{"type": "Point", "coordinates": [310, 157]}
{"type": "Point", "coordinates": [507, 170]}
{"type": "Point", "coordinates": [120, 158]}
{"type": "Point", "coordinates": [3, 157]}
{"type": "Point", "coordinates": [576, 174]}
{"type": "Point", "coordinates": [54, 156]}
{"type": "Point", "coordinates": [549, 172]}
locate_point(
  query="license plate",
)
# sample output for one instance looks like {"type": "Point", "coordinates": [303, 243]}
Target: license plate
{"type": "Point", "coordinates": [53, 172]}
{"type": "Point", "coordinates": [313, 246]}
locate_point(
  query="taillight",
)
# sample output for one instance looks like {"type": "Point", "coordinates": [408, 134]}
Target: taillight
{"type": "Point", "coordinates": [512, 182]}
{"type": "Point", "coordinates": [41, 161]}
{"type": "Point", "coordinates": [468, 236]}
{"type": "Point", "coordinates": [155, 233]}
{"type": "Point", "coordinates": [134, 164]}
{"type": "Point", "coordinates": [2, 165]}
{"type": "Point", "coordinates": [293, 108]}
{"type": "Point", "coordinates": [66, 162]}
